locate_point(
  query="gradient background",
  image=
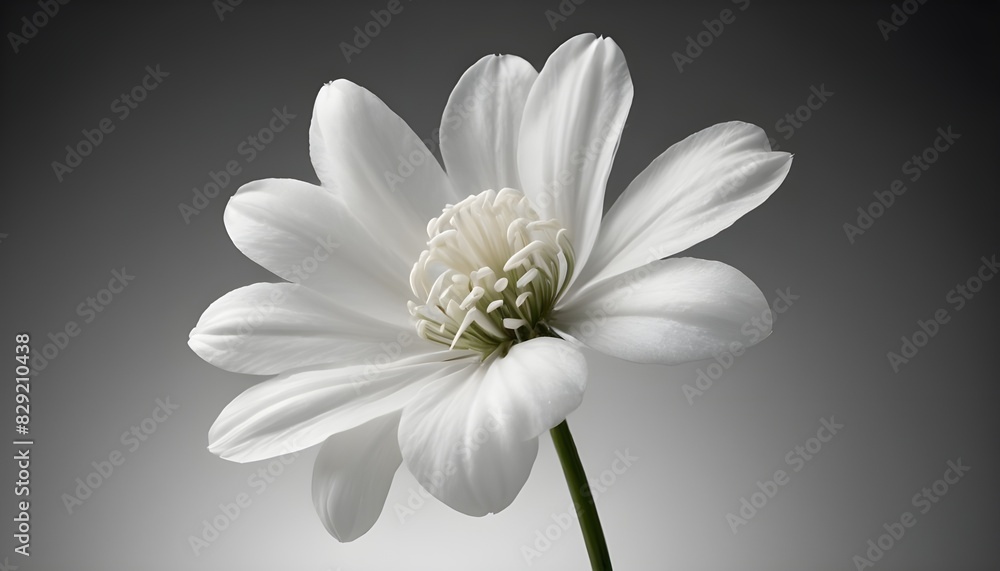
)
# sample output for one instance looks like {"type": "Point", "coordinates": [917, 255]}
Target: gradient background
{"type": "Point", "coordinates": [826, 357]}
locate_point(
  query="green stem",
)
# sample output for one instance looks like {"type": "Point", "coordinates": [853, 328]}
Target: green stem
{"type": "Point", "coordinates": [579, 489]}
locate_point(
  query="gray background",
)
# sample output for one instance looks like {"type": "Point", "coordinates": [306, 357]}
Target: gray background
{"type": "Point", "coordinates": [697, 459]}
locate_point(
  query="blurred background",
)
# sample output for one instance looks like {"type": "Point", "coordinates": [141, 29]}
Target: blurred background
{"type": "Point", "coordinates": [178, 88]}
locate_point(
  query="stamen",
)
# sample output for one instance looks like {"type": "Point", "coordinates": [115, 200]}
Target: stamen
{"type": "Point", "coordinates": [473, 297]}
{"type": "Point", "coordinates": [484, 275]}
{"type": "Point", "coordinates": [521, 254]}
{"type": "Point", "coordinates": [513, 323]}
{"type": "Point", "coordinates": [475, 250]}
{"type": "Point", "coordinates": [441, 238]}
{"type": "Point", "coordinates": [527, 278]}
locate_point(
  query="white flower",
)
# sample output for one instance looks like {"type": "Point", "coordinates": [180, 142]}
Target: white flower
{"type": "Point", "coordinates": [451, 345]}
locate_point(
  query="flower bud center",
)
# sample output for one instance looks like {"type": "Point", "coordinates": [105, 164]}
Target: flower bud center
{"type": "Point", "coordinates": [491, 273]}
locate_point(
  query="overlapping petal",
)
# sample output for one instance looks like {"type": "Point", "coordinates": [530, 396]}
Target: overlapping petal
{"type": "Point", "coordinates": [299, 409]}
{"type": "Point", "coordinates": [352, 475]}
{"type": "Point", "coordinates": [481, 121]}
{"type": "Point", "coordinates": [694, 190]}
{"type": "Point", "coordinates": [370, 157]}
{"type": "Point", "coordinates": [471, 438]}
{"type": "Point", "coordinates": [265, 329]}
{"type": "Point", "coordinates": [573, 119]}
{"type": "Point", "coordinates": [306, 234]}
{"type": "Point", "coordinates": [668, 312]}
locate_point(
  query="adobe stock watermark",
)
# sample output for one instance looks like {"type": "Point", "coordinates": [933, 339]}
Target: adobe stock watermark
{"type": "Point", "coordinates": [132, 439]}
{"type": "Point", "coordinates": [229, 511]}
{"type": "Point", "coordinates": [563, 11]}
{"type": "Point", "coordinates": [225, 7]}
{"type": "Point", "coordinates": [121, 107]}
{"type": "Point", "coordinates": [923, 501]}
{"type": "Point", "coordinates": [545, 537]}
{"type": "Point", "coordinates": [301, 272]}
{"type": "Point", "coordinates": [899, 14]}
{"type": "Point", "coordinates": [795, 120]}
{"type": "Point", "coordinates": [31, 25]}
{"type": "Point", "coordinates": [698, 43]}
{"type": "Point", "coordinates": [915, 167]}
{"type": "Point", "coordinates": [797, 458]}
{"type": "Point", "coordinates": [88, 309]}
{"type": "Point", "coordinates": [753, 330]}
{"type": "Point", "coordinates": [382, 360]}
{"type": "Point", "coordinates": [248, 150]}
{"type": "Point", "coordinates": [957, 298]}
{"type": "Point", "coordinates": [364, 34]}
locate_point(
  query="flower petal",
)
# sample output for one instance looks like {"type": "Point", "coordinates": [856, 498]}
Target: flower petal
{"type": "Point", "coordinates": [694, 190]}
{"type": "Point", "coordinates": [473, 462]}
{"type": "Point", "coordinates": [471, 438]}
{"type": "Point", "coordinates": [352, 475]}
{"type": "Point", "coordinates": [302, 408]}
{"type": "Point", "coordinates": [536, 385]}
{"type": "Point", "coordinates": [365, 153]}
{"type": "Point", "coordinates": [572, 122]}
{"type": "Point", "coordinates": [481, 121]}
{"type": "Point", "coordinates": [306, 234]}
{"type": "Point", "coordinates": [265, 329]}
{"type": "Point", "coordinates": [669, 312]}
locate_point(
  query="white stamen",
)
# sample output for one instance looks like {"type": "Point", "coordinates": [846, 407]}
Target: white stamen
{"type": "Point", "coordinates": [473, 297]}
{"type": "Point", "coordinates": [475, 250]}
{"type": "Point", "coordinates": [513, 322]}
{"type": "Point", "coordinates": [441, 238]}
{"type": "Point", "coordinates": [521, 254]}
{"type": "Point", "coordinates": [527, 278]}
{"type": "Point", "coordinates": [484, 275]}
{"type": "Point", "coordinates": [475, 316]}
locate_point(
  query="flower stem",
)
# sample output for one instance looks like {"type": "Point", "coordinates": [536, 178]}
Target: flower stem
{"type": "Point", "coordinates": [583, 500]}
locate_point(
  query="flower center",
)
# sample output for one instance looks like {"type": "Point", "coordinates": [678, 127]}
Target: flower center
{"type": "Point", "coordinates": [491, 273]}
